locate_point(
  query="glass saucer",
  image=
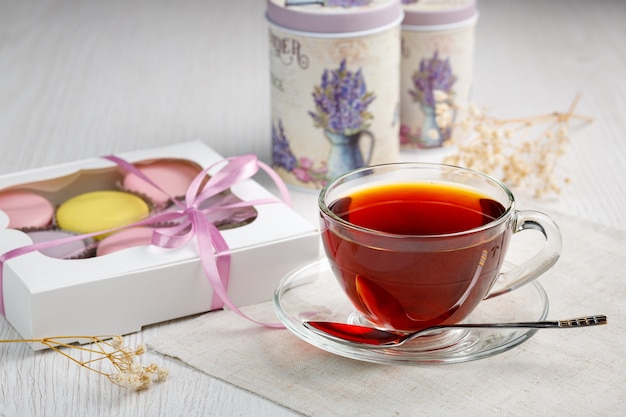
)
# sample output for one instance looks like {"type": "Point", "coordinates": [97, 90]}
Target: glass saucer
{"type": "Point", "coordinates": [312, 293]}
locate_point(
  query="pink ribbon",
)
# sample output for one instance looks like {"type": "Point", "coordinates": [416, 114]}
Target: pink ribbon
{"type": "Point", "coordinates": [191, 221]}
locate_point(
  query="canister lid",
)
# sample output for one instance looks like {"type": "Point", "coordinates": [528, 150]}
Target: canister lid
{"type": "Point", "coordinates": [334, 16]}
{"type": "Point", "coordinates": [437, 12]}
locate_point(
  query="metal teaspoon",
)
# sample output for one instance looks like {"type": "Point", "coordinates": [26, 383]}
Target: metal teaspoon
{"type": "Point", "coordinates": [370, 337]}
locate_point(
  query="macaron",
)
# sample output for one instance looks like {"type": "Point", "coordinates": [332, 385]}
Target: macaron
{"type": "Point", "coordinates": [100, 210]}
{"type": "Point", "coordinates": [173, 176]}
{"type": "Point", "coordinates": [26, 209]}
{"type": "Point", "coordinates": [75, 249]}
{"type": "Point", "coordinates": [124, 239]}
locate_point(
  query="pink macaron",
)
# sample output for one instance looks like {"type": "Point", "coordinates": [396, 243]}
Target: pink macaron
{"type": "Point", "coordinates": [124, 239]}
{"type": "Point", "coordinates": [172, 175]}
{"type": "Point", "coordinates": [26, 209]}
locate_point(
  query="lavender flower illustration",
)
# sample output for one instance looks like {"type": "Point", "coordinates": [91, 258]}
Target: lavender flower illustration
{"type": "Point", "coordinates": [282, 156]}
{"type": "Point", "coordinates": [302, 168]}
{"type": "Point", "coordinates": [434, 79]}
{"type": "Point", "coordinates": [433, 74]}
{"type": "Point", "coordinates": [341, 101]}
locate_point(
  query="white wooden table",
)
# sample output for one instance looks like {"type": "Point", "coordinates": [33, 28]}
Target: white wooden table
{"type": "Point", "coordinates": [82, 79]}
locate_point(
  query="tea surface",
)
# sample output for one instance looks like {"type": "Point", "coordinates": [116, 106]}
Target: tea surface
{"type": "Point", "coordinates": [418, 209]}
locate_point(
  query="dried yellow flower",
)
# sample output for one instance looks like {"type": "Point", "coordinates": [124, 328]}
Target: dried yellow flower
{"type": "Point", "coordinates": [117, 342]}
{"type": "Point", "coordinates": [140, 349]}
{"type": "Point", "coordinates": [512, 149]}
{"type": "Point", "coordinates": [126, 371]}
{"type": "Point", "coordinates": [162, 374]}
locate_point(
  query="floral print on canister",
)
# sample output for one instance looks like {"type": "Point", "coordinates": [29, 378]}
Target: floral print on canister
{"type": "Point", "coordinates": [433, 86]}
{"type": "Point", "coordinates": [335, 96]}
{"type": "Point", "coordinates": [341, 102]}
{"type": "Point", "coordinates": [436, 68]}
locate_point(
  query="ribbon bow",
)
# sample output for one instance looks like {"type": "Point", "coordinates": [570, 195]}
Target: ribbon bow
{"type": "Point", "coordinates": [190, 221]}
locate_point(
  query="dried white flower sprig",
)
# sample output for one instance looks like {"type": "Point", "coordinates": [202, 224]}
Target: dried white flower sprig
{"type": "Point", "coordinates": [98, 353]}
{"type": "Point", "coordinates": [522, 152]}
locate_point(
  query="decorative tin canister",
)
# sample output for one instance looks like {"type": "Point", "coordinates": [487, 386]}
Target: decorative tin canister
{"type": "Point", "coordinates": [437, 68]}
{"type": "Point", "coordinates": [335, 86]}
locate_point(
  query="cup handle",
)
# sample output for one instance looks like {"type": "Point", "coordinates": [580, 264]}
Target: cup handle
{"type": "Point", "coordinates": [539, 263]}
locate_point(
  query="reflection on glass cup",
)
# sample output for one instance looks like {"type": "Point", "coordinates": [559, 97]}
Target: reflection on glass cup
{"type": "Point", "coordinates": [417, 245]}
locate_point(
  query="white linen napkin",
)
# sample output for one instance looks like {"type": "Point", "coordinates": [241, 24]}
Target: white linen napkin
{"type": "Point", "coordinates": [556, 372]}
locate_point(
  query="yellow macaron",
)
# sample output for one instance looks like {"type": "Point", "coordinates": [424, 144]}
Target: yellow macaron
{"type": "Point", "coordinates": [100, 210]}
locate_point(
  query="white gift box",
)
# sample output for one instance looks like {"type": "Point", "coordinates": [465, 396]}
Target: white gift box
{"type": "Point", "coordinates": [120, 292]}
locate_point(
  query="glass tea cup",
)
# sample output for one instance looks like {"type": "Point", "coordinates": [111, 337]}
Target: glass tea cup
{"type": "Point", "coordinates": [415, 245]}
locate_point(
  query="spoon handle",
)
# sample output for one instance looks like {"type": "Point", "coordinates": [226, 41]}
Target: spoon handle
{"type": "Point", "coordinates": [583, 321]}
{"type": "Point", "coordinates": [587, 321]}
